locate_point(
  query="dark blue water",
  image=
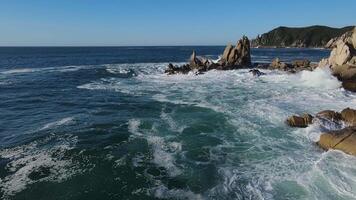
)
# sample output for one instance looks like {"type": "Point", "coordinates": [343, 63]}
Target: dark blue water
{"type": "Point", "coordinates": [106, 123]}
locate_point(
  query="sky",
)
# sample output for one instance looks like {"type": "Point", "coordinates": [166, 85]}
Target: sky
{"type": "Point", "coordinates": [159, 22]}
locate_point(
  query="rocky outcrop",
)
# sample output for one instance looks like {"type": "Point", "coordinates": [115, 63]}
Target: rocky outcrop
{"type": "Point", "coordinates": [343, 139]}
{"type": "Point", "coordinates": [233, 58]}
{"type": "Point", "coordinates": [330, 115]}
{"type": "Point", "coordinates": [342, 60]}
{"type": "Point", "coordinates": [295, 66]}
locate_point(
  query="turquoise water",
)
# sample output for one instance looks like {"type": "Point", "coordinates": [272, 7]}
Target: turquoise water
{"type": "Point", "coordinates": [128, 131]}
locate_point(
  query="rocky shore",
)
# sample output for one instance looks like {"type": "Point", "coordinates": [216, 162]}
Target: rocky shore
{"type": "Point", "coordinates": [341, 62]}
{"type": "Point", "coordinates": [343, 138]}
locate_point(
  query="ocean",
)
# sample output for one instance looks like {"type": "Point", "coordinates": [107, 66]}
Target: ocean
{"type": "Point", "coordinates": [107, 123]}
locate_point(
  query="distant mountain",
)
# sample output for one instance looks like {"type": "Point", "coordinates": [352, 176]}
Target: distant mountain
{"type": "Point", "coordinates": [312, 36]}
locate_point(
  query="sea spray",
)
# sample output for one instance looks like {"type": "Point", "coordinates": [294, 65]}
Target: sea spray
{"type": "Point", "coordinates": [321, 78]}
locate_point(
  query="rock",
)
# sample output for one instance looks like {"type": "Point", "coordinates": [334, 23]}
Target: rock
{"type": "Point", "coordinates": [277, 64]}
{"type": "Point", "coordinates": [256, 72]}
{"type": "Point", "coordinates": [194, 61]}
{"type": "Point", "coordinates": [171, 69]}
{"type": "Point", "coordinates": [300, 121]}
{"type": "Point", "coordinates": [349, 85]}
{"type": "Point", "coordinates": [342, 60]}
{"type": "Point", "coordinates": [233, 58]}
{"type": "Point", "coordinates": [349, 116]}
{"type": "Point", "coordinates": [301, 63]}
{"type": "Point", "coordinates": [344, 140]}
{"type": "Point", "coordinates": [330, 115]}
{"type": "Point", "coordinates": [238, 56]}
{"type": "Point", "coordinates": [227, 52]}
{"type": "Point", "coordinates": [341, 54]}
{"type": "Point", "coordinates": [354, 38]}
{"type": "Point", "coordinates": [344, 72]}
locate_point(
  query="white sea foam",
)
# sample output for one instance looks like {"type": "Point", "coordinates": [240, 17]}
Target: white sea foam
{"type": "Point", "coordinates": [34, 158]}
{"type": "Point", "coordinates": [163, 152]}
{"type": "Point", "coordinates": [43, 69]}
{"type": "Point", "coordinates": [321, 78]}
{"type": "Point", "coordinates": [162, 192]}
{"type": "Point", "coordinates": [60, 122]}
{"type": "Point", "coordinates": [261, 154]}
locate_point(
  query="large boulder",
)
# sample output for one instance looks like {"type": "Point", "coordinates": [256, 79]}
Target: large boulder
{"type": "Point", "coordinates": [341, 54]}
{"type": "Point", "coordinates": [349, 85]}
{"type": "Point", "coordinates": [342, 59]}
{"type": "Point", "coordinates": [343, 50]}
{"type": "Point", "coordinates": [300, 121]}
{"type": "Point", "coordinates": [329, 115]}
{"type": "Point", "coordinates": [344, 72]}
{"type": "Point", "coordinates": [344, 140]}
{"type": "Point", "coordinates": [349, 116]}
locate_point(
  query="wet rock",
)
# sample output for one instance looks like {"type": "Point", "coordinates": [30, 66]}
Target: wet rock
{"type": "Point", "coordinates": [301, 63]}
{"type": "Point", "coordinates": [194, 61]}
{"type": "Point", "coordinates": [343, 140]}
{"type": "Point", "coordinates": [349, 85]}
{"type": "Point", "coordinates": [330, 115]}
{"type": "Point", "coordinates": [349, 116]}
{"type": "Point", "coordinates": [171, 69]}
{"type": "Point", "coordinates": [344, 72]}
{"type": "Point", "coordinates": [256, 72]}
{"type": "Point", "coordinates": [233, 58]}
{"type": "Point", "coordinates": [278, 64]}
{"type": "Point", "coordinates": [300, 121]}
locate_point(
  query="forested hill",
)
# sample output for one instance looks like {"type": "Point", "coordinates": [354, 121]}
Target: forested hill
{"type": "Point", "coordinates": [312, 36]}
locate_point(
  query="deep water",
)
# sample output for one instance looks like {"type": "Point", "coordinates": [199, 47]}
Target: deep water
{"type": "Point", "coordinates": [107, 123]}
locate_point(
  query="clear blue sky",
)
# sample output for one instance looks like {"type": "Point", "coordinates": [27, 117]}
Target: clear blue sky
{"type": "Point", "coordinates": [159, 22]}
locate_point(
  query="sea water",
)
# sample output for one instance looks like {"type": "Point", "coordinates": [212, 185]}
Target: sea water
{"type": "Point", "coordinates": [107, 123]}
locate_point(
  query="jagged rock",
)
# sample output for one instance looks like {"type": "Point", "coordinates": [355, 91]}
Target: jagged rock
{"type": "Point", "coordinates": [349, 116]}
{"type": "Point", "coordinates": [277, 64]}
{"type": "Point", "coordinates": [344, 140]}
{"type": "Point", "coordinates": [171, 69]}
{"type": "Point", "coordinates": [226, 53]}
{"type": "Point", "coordinates": [256, 72]}
{"type": "Point", "coordinates": [238, 56]}
{"type": "Point", "coordinates": [195, 62]}
{"type": "Point", "coordinates": [341, 54]}
{"type": "Point", "coordinates": [330, 115]}
{"type": "Point", "coordinates": [233, 58]}
{"type": "Point", "coordinates": [300, 121]}
{"type": "Point", "coordinates": [342, 60]}
{"type": "Point", "coordinates": [343, 50]}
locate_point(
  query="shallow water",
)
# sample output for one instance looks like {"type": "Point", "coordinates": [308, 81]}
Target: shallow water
{"type": "Point", "coordinates": [106, 123]}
